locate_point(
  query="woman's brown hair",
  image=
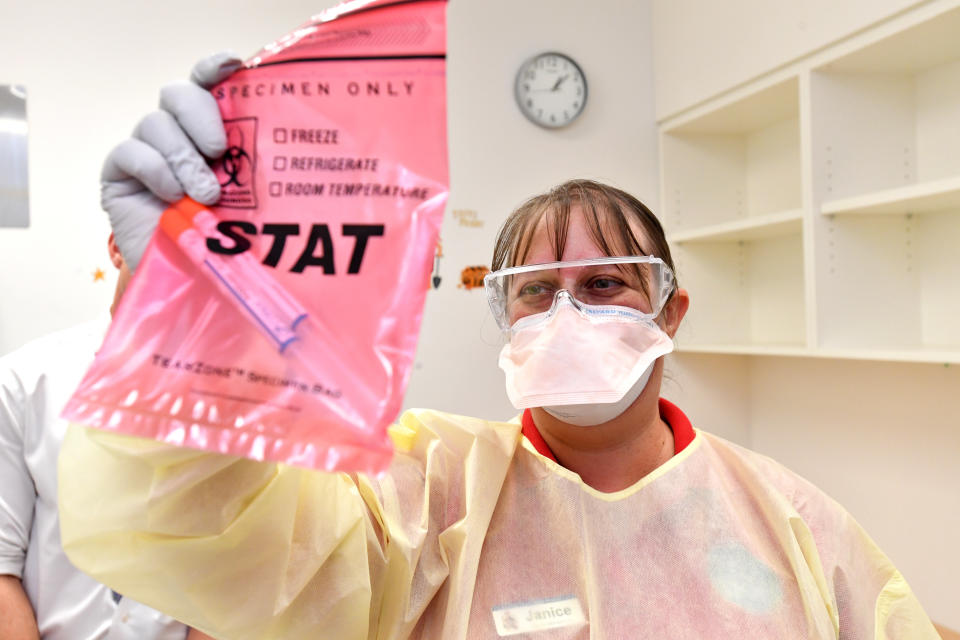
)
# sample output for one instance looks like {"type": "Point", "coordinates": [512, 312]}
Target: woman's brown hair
{"type": "Point", "coordinates": [608, 212]}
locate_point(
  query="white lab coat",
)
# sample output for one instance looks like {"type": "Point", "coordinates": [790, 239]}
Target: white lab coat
{"type": "Point", "coordinates": [35, 382]}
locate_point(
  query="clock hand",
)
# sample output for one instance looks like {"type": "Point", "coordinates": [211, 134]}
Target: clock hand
{"type": "Point", "coordinates": [556, 85]}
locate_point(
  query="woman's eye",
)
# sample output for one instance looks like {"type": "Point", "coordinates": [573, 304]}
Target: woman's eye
{"type": "Point", "coordinates": [532, 289]}
{"type": "Point", "coordinates": [604, 284]}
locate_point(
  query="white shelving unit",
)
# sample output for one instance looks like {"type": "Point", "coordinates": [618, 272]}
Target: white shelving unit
{"type": "Point", "coordinates": [816, 212]}
{"type": "Point", "coordinates": [734, 217]}
{"type": "Point", "coordinates": [753, 228]}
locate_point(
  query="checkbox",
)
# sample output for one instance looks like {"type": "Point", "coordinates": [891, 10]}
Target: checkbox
{"type": "Point", "coordinates": [280, 136]}
{"type": "Point", "coordinates": [276, 189]}
{"type": "Point", "coordinates": [280, 163]}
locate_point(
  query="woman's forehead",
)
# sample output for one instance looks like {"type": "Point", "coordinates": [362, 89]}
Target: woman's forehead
{"type": "Point", "coordinates": [580, 239]}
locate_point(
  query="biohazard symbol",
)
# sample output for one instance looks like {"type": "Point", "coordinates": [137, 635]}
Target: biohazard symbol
{"type": "Point", "coordinates": [235, 159]}
{"type": "Point", "coordinates": [472, 277]}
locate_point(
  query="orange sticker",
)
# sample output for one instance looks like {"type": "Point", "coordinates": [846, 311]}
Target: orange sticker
{"type": "Point", "coordinates": [472, 277]}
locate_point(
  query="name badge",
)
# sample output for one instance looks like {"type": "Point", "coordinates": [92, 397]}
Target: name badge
{"type": "Point", "coordinates": [538, 615]}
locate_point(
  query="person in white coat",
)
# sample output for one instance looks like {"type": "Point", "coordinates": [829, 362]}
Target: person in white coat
{"type": "Point", "coordinates": [42, 595]}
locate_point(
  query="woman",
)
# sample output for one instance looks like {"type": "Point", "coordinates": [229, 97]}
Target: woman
{"type": "Point", "coordinates": [598, 513]}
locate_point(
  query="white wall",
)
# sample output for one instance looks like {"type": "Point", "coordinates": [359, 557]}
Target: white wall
{"type": "Point", "coordinates": [713, 390]}
{"type": "Point", "coordinates": [883, 439]}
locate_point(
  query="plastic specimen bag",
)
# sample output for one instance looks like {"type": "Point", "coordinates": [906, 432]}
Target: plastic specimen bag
{"type": "Point", "coordinates": [281, 323]}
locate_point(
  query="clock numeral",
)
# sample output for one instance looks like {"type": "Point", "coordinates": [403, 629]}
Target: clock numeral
{"type": "Point", "coordinates": [530, 74]}
{"type": "Point", "coordinates": [539, 113]}
{"type": "Point", "coordinates": [579, 91]}
{"type": "Point", "coordinates": [553, 118]}
{"type": "Point", "coordinates": [566, 116]}
{"type": "Point", "coordinates": [526, 87]}
{"type": "Point", "coordinates": [576, 105]}
{"type": "Point", "coordinates": [529, 103]}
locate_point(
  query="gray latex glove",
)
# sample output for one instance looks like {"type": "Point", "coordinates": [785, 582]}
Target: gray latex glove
{"type": "Point", "coordinates": [164, 159]}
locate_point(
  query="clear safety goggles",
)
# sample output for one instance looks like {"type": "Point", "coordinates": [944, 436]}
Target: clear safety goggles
{"type": "Point", "coordinates": [643, 283]}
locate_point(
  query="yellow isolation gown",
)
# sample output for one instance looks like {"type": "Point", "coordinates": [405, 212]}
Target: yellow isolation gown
{"type": "Point", "coordinates": [474, 534]}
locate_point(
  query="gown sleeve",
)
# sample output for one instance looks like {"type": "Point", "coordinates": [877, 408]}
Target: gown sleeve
{"type": "Point", "coordinates": [869, 597]}
{"type": "Point", "coordinates": [248, 550]}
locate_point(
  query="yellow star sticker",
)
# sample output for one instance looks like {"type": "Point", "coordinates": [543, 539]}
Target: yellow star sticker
{"type": "Point", "coordinates": [99, 275]}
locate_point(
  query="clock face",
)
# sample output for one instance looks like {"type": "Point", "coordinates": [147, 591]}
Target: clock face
{"type": "Point", "coordinates": [551, 90]}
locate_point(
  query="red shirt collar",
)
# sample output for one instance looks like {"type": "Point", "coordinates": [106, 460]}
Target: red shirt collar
{"type": "Point", "coordinates": [683, 432]}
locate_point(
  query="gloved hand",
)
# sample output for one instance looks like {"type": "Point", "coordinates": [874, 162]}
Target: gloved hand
{"type": "Point", "coordinates": [164, 159]}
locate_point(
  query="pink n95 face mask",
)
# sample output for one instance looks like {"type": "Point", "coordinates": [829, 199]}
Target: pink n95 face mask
{"type": "Point", "coordinates": [281, 323]}
{"type": "Point", "coordinates": [579, 354]}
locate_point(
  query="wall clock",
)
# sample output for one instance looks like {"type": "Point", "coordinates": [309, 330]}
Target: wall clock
{"type": "Point", "coordinates": [551, 90]}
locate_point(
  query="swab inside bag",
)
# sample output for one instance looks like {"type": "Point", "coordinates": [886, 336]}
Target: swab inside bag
{"type": "Point", "coordinates": [281, 323]}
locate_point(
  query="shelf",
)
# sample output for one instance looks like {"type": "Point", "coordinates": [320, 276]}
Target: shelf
{"type": "Point", "coordinates": [888, 283]}
{"type": "Point", "coordinates": [932, 356]}
{"type": "Point", "coordinates": [744, 293]}
{"type": "Point", "coordinates": [886, 117]}
{"type": "Point", "coordinates": [739, 161]}
{"type": "Point", "coordinates": [745, 349]}
{"type": "Point", "coordinates": [927, 197]}
{"type": "Point", "coordinates": [923, 46]}
{"type": "Point", "coordinates": [758, 111]}
{"type": "Point", "coordinates": [754, 228]}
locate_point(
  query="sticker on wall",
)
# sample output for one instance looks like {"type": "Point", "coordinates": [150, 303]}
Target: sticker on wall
{"type": "Point", "coordinates": [99, 275]}
{"type": "Point", "coordinates": [472, 277]}
{"type": "Point", "coordinates": [435, 276]}
{"type": "Point", "coordinates": [467, 218]}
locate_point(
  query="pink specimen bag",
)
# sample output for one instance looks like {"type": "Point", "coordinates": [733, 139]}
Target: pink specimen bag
{"type": "Point", "coordinates": [281, 323]}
